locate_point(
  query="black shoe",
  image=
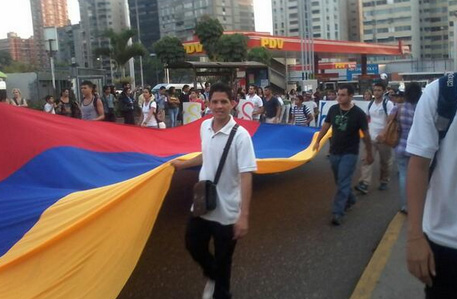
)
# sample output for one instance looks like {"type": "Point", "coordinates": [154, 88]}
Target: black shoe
{"type": "Point", "coordinates": [362, 187]}
{"type": "Point", "coordinates": [404, 211]}
{"type": "Point", "coordinates": [383, 187]}
{"type": "Point", "coordinates": [337, 220]}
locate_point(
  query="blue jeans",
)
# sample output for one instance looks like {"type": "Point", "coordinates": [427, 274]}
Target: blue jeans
{"type": "Point", "coordinates": [343, 167]}
{"type": "Point", "coordinates": [402, 163]}
{"type": "Point", "coordinates": [173, 116]}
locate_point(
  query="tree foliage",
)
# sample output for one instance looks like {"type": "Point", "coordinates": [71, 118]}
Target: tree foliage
{"type": "Point", "coordinates": [260, 54]}
{"type": "Point", "coordinates": [169, 50]}
{"type": "Point", "coordinates": [119, 50]}
{"type": "Point", "coordinates": [19, 67]}
{"type": "Point", "coordinates": [5, 59]}
{"type": "Point", "coordinates": [209, 30]}
{"type": "Point", "coordinates": [232, 47]}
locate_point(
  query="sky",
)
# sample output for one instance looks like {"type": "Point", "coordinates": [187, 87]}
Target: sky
{"type": "Point", "coordinates": [18, 17]}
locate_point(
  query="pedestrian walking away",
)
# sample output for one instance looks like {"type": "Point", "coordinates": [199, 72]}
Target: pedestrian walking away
{"type": "Point", "coordinates": [346, 120]}
{"type": "Point", "coordinates": [229, 221]}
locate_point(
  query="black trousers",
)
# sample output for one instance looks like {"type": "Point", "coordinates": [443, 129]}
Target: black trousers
{"type": "Point", "coordinates": [218, 266]}
{"type": "Point", "coordinates": [129, 117]}
{"type": "Point", "coordinates": [445, 282]}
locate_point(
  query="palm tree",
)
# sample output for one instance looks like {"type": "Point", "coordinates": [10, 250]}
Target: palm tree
{"type": "Point", "coordinates": [119, 50]}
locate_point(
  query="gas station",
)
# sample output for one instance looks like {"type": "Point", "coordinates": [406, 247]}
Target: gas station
{"type": "Point", "coordinates": [334, 60]}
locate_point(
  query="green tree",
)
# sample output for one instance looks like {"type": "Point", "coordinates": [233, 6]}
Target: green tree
{"type": "Point", "coordinates": [19, 67]}
{"type": "Point", "coordinates": [169, 50]}
{"type": "Point", "coordinates": [5, 59]}
{"type": "Point", "coordinates": [209, 31]}
{"type": "Point", "coordinates": [260, 54]}
{"type": "Point", "coordinates": [232, 47]}
{"type": "Point", "coordinates": [119, 50]}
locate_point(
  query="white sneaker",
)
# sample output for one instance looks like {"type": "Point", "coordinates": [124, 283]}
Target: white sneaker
{"type": "Point", "coordinates": [209, 289]}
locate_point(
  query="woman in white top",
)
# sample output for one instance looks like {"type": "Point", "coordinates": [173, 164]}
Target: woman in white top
{"type": "Point", "coordinates": [149, 110]}
{"type": "Point", "coordinates": [17, 99]}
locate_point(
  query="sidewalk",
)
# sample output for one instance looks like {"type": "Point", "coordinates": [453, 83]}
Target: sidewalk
{"type": "Point", "coordinates": [386, 276]}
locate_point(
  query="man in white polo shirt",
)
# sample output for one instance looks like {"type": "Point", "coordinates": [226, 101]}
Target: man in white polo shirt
{"type": "Point", "coordinates": [432, 202]}
{"type": "Point", "coordinates": [229, 221]}
{"type": "Point", "coordinates": [257, 101]}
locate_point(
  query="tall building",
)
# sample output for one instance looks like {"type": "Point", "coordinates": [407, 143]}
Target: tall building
{"type": "Point", "coordinates": [179, 17]}
{"type": "Point", "coordinates": [330, 19]}
{"type": "Point", "coordinates": [97, 16]}
{"type": "Point", "coordinates": [144, 17]}
{"type": "Point", "coordinates": [47, 13]}
{"type": "Point", "coordinates": [21, 50]}
{"type": "Point", "coordinates": [424, 25]}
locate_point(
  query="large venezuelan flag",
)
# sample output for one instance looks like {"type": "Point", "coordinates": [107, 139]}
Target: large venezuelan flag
{"type": "Point", "coordinates": [78, 199]}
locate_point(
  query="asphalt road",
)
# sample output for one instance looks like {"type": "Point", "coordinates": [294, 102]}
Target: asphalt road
{"type": "Point", "coordinates": [291, 250]}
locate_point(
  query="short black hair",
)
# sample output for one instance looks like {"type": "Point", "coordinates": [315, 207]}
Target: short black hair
{"type": "Point", "coordinates": [184, 87]}
{"type": "Point", "coordinates": [413, 92]}
{"type": "Point", "coordinates": [220, 87]}
{"type": "Point", "coordinates": [88, 83]}
{"type": "Point", "coordinates": [380, 84]}
{"type": "Point", "coordinates": [267, 87]}
{"type": "Point", "coordinates": [106, 87]}
{"type": "Point", "coordinates": [348, 87]}
{"type": "Point", "coordinates": [48, 97]}
{"type": "Point", "coordinates": [163, 87]}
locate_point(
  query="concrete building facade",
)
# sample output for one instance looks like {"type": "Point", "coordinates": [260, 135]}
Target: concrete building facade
{"type": "Point", "coordinates": [331, 19]}
{"type": "Point", "coordinates": [179, 17]}
{"type": "Point", "coordinates": [21, 50]}
{"type": "Point", "coordinates": [47, 13]}
{"type": "Point", "coordinates": [98, 16]}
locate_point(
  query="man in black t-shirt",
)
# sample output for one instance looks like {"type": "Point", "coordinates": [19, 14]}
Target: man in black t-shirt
{"type": "Point", "coordinates": [272, 107]}
{"type": "Point", "coordinates": [346, 121]}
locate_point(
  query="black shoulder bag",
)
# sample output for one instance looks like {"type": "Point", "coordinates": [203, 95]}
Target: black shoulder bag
{"type": "Point", "coordinates": [205, 193]}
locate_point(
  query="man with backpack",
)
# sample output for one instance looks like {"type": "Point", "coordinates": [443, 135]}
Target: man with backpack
{"type": "Point", "coordinates": [377, 113]}
{"type": "Point", "coordinates": [91, 105]}
{"type": "Point", "coordinates": [432, 198]}
{"type": "Point", "coordinates": [301, 115]}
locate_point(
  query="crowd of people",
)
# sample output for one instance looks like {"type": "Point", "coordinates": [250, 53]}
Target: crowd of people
{"type": "Point", "coordinates": [431, 245]}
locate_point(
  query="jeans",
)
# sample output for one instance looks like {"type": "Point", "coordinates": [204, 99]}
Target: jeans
{"type": "Point", "coordinates": [444, 284]}
{"type": "Point", "coordinates": [343, 167]}
{"type": "Point", "coordinates": [216, 267]}
{"type": "Point", "coordinates": [402, 163]}
{"type": "Point", "coordinates": [173, 116]}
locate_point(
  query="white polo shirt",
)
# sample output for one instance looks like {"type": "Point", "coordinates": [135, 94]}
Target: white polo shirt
{"type": "Point", "coordinates": [258, 103]}
{"type": "Point", "coordinates": [440, 212]}
{"type": "Point", "coordinates": [240, 158]}
{"type": "Point", "coordinates": [378, 118]}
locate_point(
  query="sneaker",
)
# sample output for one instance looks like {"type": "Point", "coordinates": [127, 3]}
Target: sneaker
{"type": "Point", "coordinates": [404, 211]}
{"type": "Point", "coordinates": [337, 220]}
{"type": "Point", "coordinates": [208, 292]}
{"type": "Point", "coordinates": [382, 187]}
{"type": "Point", "coordinates": [362, 187]}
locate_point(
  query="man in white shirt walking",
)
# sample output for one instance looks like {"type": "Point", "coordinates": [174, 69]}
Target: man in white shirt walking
{"type": "Point", "coordinates": [257, 101]}
{"type": "Point", "coordinates": [229, 221]}
{"type": "Point", "coordinates": [378, 111]}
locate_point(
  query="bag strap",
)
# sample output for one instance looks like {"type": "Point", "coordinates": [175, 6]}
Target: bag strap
{"type": "Point", "coordinates": [447, 107]}
{"type": "Point", "coordinates": [225, 153]}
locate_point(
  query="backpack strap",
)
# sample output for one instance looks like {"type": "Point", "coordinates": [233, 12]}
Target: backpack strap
{"type": "Point", "coordinates": [384, 104]}
{"type": "Point", "coordinates": [447, 107]}
{"type": "Point", "coordinates": [225, 153]}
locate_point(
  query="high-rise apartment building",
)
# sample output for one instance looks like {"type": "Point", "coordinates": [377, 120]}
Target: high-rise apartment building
{"type": "Point", "coordinates": [47, 13]}
{"type": "Point", "coordinates": [21, 50]}
{"type": "Point", "coordinates": [97, 16]}
{"type": "Point", "coordinates": [144, 17]}
{"type": "Point", "coordinates": [179, 17]}
{"type": "Point", "coordinates": [424, 25]}
{"type": "Point", "coordinates": [331, 19]}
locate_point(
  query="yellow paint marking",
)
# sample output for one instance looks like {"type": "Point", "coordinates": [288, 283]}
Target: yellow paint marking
{"type": "Point", "coordinates": [373, 271]}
